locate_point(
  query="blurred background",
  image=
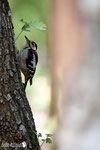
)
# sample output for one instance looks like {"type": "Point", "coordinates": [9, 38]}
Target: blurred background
{"type": "Point", "coordinates": [65, 95]}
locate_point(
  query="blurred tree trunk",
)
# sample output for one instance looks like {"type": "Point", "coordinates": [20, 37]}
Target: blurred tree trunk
{"type": "Point", "coordinates": [65, 35]}
{"type": "Point", "coordinates": [78, 49]}
{"type": "Point", "coordinates": [16, 121]}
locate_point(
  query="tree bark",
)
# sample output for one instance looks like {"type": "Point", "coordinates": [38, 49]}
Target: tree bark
{"type": "Point", "coordinates": [16, 121]}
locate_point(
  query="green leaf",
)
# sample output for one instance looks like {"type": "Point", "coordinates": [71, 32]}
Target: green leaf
{"type": "Point", "coordinates": [48, 140]}
{"type": "Point", "coordinates": [49, 135]}
{"type": "Point", "coordinates": [38, 25]}
{"type": "Point", "coordinates": [39, 135]}
{"type": "Point", "coordinates": [25, 27]}
{"type": "Point", "coordinates": [43, 140]}
{"type": "Point", "coordinates": [21, 20]}
{"type": "Point", "coordinates": [35, 24]}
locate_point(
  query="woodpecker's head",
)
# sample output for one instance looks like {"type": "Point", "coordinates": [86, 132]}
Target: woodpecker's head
{"type": "Point", "coordinates": [31, 44]}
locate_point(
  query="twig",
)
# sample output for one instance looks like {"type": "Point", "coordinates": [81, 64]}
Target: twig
{"type": "Point", "coordinates": [42, 143]}
{"type": "Point", "coordinates": [19, 35]}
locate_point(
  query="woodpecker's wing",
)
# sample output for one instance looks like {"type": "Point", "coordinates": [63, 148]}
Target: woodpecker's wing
{"type": "Point", "coordinates": [31, 63]}
{"type": "Point", "coordinates": [32, 58]}
{"type": "Point", "coordinates": [36, 56]}
{"type": "Point", "coordinates": [32, 77]}
{"type": "Point", "coordinates": [31, 71]}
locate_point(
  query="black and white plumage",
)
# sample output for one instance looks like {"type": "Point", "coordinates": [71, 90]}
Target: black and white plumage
{"type": "Point", "coordinates": [28, 57]}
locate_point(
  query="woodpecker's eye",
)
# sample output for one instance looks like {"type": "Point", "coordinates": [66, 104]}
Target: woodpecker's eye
{"type": "Point", "coordinates": [33, 44]}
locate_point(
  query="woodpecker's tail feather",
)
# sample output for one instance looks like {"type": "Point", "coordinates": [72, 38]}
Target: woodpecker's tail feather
{"type": "Point", "coordinates": [25, 84]}
{"type": "Point", "coordinates": [30, 81]}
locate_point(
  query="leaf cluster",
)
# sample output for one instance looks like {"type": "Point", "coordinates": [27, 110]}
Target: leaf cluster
{"type": "Point", "coordinates": [35, 24]}
{"type": "Point", "coordinates": [48, 138]}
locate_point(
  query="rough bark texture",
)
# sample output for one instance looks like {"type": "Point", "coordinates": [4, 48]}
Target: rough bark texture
{"type": "Point", "coordinates": [16, 120]}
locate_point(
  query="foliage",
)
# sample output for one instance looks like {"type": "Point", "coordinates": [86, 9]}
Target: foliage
{"type": "Point", "coordinates": [35, 24]}
{"type": "Point", "coordinates": [27, 25]}
{"type": "Point", "coordinates": [47, 139]}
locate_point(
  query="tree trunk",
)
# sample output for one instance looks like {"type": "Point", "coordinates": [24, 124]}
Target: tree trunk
{"type": "Point", "coordinates": [17, 127]}
{"type": "Point", "coordinates": [65, 31]}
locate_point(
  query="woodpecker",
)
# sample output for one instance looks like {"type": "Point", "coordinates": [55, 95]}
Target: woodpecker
{"type": "Point", "coordinates": [28, 58]}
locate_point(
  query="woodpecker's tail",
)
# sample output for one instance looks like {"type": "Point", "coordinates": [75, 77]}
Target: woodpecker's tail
{"type": "Point", "coordinates": [30, 81]}
{"type": "Point", "coordinates": [25, 83]}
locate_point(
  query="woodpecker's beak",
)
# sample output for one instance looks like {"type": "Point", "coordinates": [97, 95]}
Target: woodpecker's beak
{"type": "Point", "coordinates": [27, 40]}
